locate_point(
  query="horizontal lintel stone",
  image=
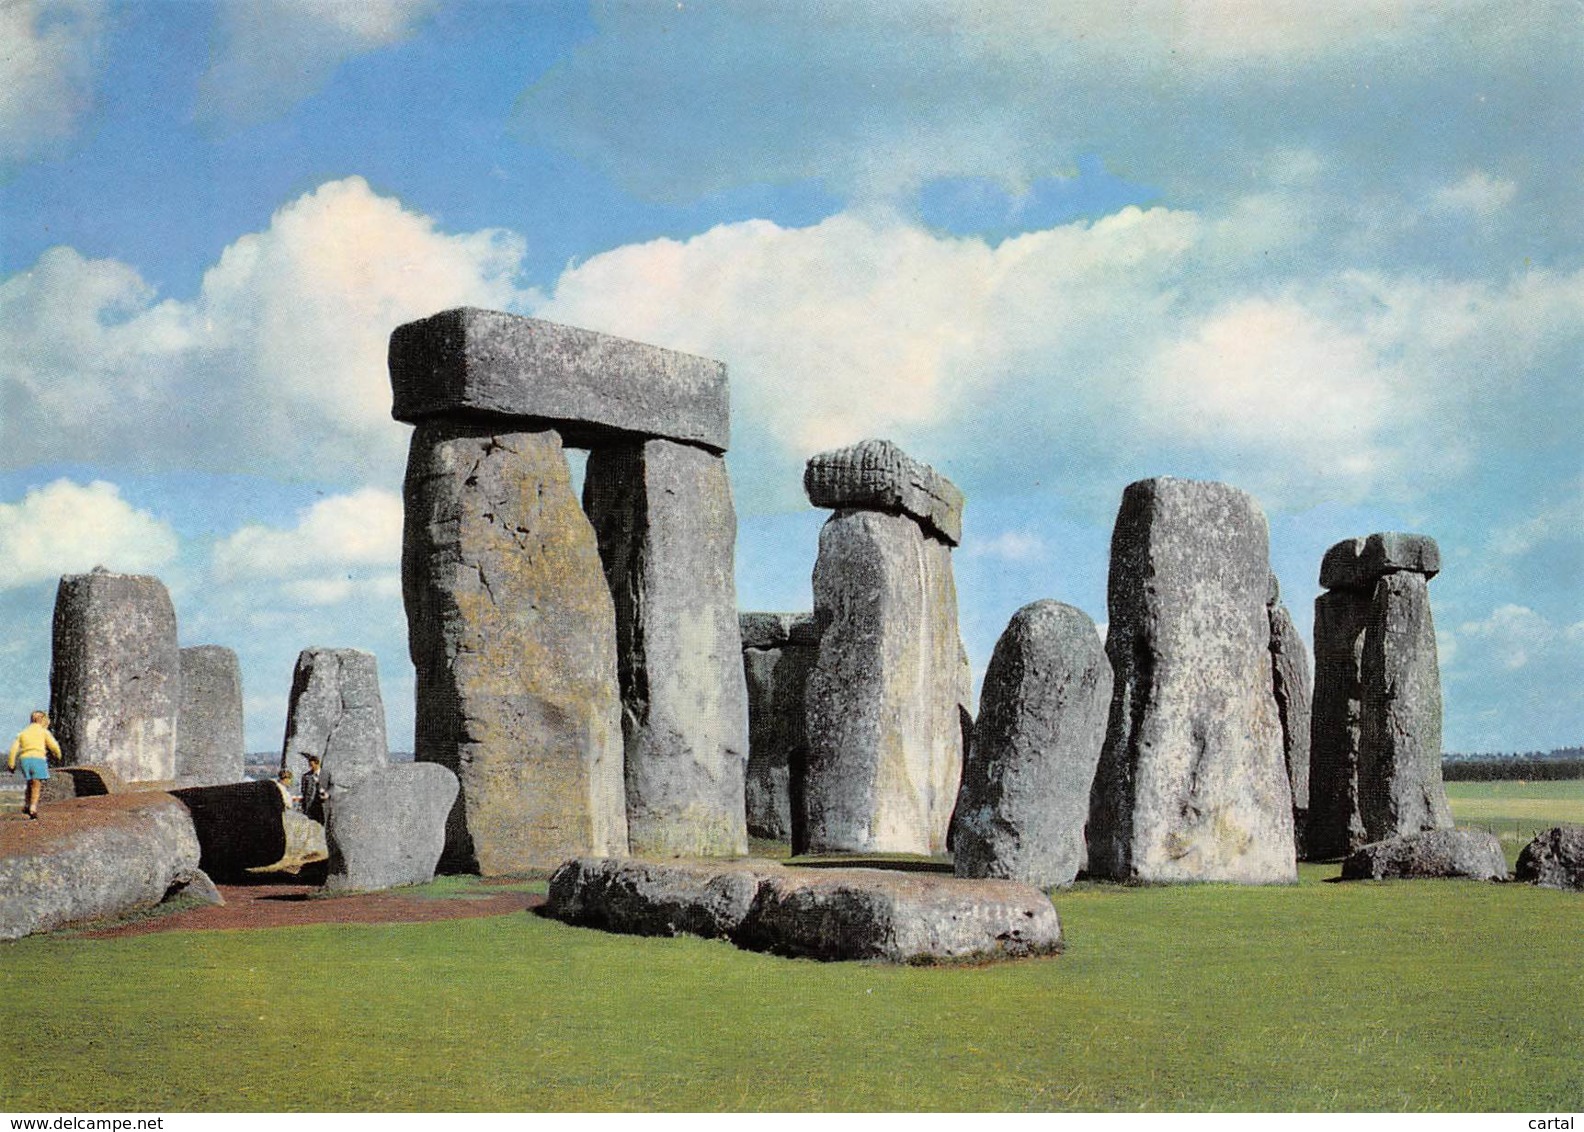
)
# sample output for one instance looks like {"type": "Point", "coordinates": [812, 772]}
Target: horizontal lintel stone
{"type": "Point", "coordinates": [591, 386]}
{"type": "Point", "coordinates": [876, 475]}
{"type": "Point", "coordinates": [777, 630]}
{"type": "Point", "coordinates": [1357, 563]}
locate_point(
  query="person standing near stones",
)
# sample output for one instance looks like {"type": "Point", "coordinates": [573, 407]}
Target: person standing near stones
{"type": "Point", "coordinates": [312, 798]}
{"type": "Point", "coordinates": [30, 753]}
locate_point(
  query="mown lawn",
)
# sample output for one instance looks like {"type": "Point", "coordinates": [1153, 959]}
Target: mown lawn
{"type": "Point", "coordinates": [1516, 811]}
{"type": "Point", "coordinates": [1438, 995]}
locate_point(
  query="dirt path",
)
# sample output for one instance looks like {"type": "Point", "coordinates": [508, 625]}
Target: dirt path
{"type": "Point", "coordinates": [291, 905]}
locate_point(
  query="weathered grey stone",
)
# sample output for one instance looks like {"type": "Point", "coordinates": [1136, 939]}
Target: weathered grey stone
{"type": "Point", "coordinates": [80, 782]}
{"type": "Point", "coordinates": [1554, 859]}
{"type": "Point", "coordinates": [1335, 824]}
{"type": "Point", "coordinates": [589, 386]}
{"type": "Point", "coordinates": [1400, 786]}
{"type": "Point", "coordinates": [1291, 684]}
{"type": "Point", "coordinates": [898, 917]}
{"type": "Point", "coordinates": [777, 736]}
{"type": "Point", "coordinates": [883, 702]}
{"type": "Point", "coordinates": [513, 634]}
{"type": "Point", "coordinates": [197, 886]}
{"type": "Point", "coordinates": [1471, 853]}
{"type": "Point", "coordinates": [657, 898]}
{"type": "Point", "coordinates": [115, 674]}
{"type": "Point", "coordinates": [876, 475]}
{"type": "Point", "coordinates": [92, 857]}
{"type": "Point", "coordinates": [239, 826]}
{"type": "Point", "coordinates": [667, 533]}
{"type": "Point", "coordinates": [388, 827]}
{"type": "Point", "coordinates": [1358, 563]}
{"type": "Point", "coordinates": [335, 712]}
{"type": "Point", "coordinates": [1191, 785]}
{"type": "Point", "coordinates": [209, 744]}
{"type": "Point", "coordinates": [1042, 718]}
{"type": "Point", "coordinates": [777, 630]}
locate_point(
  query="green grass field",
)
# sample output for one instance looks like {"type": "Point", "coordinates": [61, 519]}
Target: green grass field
{"type": "Point", "coordinates": [1516, 811]}
{"type": "Point", "coordinates": [1438, 995]}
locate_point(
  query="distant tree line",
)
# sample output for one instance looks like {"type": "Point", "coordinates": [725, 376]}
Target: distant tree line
{"type": "Point", "coordinates": [1545, 766]}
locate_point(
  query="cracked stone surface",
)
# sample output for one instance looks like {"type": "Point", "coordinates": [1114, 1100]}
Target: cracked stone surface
{"type": "Point", "coordinates": [1191, 784]}
{"type": "Point", "coordinates": [335, 711]}
{"type": "Point", "coordinates": [1291, 684]}
{"type": "Point", "coordinates": [877, 475]}
{"type": "Point", "coordinates": [512, 631]}
{"type": "Point", "coordinates": [779, 652]}
{"type": "Point", "coordinates": [667, 532]}
{"type": "Point", "coordinates": [115, 674]}
{"type": "Point", "coordinates": [884, 703]}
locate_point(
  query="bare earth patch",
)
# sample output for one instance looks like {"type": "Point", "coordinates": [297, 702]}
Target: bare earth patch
{"type": "Point", "coordinates": [293, 905]}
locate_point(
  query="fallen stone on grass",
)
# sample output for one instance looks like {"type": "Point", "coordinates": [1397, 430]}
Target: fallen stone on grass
{"type": "Point", "coordinates": [240, 826]}
{"type": "Point", "coordinates": [899, 917]}
{"type": "Point", "coordinates": [831, 914]}
{"type": "Point", "coordinates": [1554, 859]}
{"type": "Point", "coordinates": [93, 857]}
{"type": "Point", "coordinates": [195, 886]}
{"type": "Point", "coordinates": [1438, 853]}
{"type": "Point", "coordinates": [657, 898]}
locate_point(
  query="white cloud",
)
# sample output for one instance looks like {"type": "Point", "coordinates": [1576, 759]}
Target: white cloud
{"type": "Point", "coordinates": [342, 547]}
{"type": "Point", "coordinates": [1478, 194]}
{"type": "Point", "coordinates": [855, 327]}
{"type": "Point", "coordinates": [48, 60]}
{"type": "Point", "coordinates": [1512, 635]}
{"type": "Point", "coordinates": [278, 365]}
{"type": "Point", "coordinates": [274, 53]}
{"type": "Point", "coordinates": [1008, 546]}
{"type": "Point", "coordinates": [69, 528]}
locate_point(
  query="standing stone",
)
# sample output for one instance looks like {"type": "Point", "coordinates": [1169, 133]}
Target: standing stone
{"type": "Point", "coordinates": [1335, 825]}
{"type": "Point", "coordinates": [1290, 682]}
{"type": "Point", "coordinates": [1042, 720]}
{"type": "Point", "coordinates": [513, 634]}
{"type": "Point", "coordinates": [1400, 788]}
{"type": "Point", "coordinates": [209, 741]}
{"type": "Point", "coordinates": [387, 827]}
{"type": "Point", "coordinates": [335, 712]}
{"type": "Point", "coordinates": [1191, 784]}
{"type": "Point", "coordinates": [667, 530]}
{"type": "Point", "coordinates": [1375, 739]}
{"type": "Point", "coordinates": [115, 674]}
{"type": "Point", "coordinates": [779, 652]}
{"type": "Point", "coordinates": [884, 700]}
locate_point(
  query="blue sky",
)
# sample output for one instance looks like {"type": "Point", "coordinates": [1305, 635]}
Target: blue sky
{"type": "Point", "coordinates": [1327, 252]}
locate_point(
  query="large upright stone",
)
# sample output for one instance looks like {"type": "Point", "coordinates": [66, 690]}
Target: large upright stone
{"type": "Point", "coordinates": [335, 712]}
{"type": "Point", "coordinates": [1191, 785]}
{"type": "Point", "coordinates": [1375, 738]}
{"type": "Point", "coordinates": [1335, 824]}
{"type": "Point", "coordinates": [471, 363]}
{"type": "Point", "coordinates": [779, 652]}
{"type": "Point", "coordinates": [1400, 788]}
{"type": "Point", "coordinates": [884, 701]}
{"type": "Point", "coordinates": [1291, 683]}
{"type": "Point", "coordinates": [1042, 718]}
{"type": "Point", "coordinates": [876, 475]}
{"type": "Point", "coordinates": [209, 741]}
{"type": "Point", "coordinates": [115, 674]}
{"type": "Point", "coordinates": [667, 534]}
{"type": "Point", "coordinates": [513, 634]}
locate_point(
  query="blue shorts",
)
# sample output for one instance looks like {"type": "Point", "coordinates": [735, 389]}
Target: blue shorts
{"type": "Point", "coordinates": [33, 770]}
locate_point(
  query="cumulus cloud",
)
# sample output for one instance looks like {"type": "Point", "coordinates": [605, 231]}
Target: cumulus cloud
{"type": "Point", "coordinates": [69, 528]}
{"type": "Point", "coordinates": [274, 53]}
{"type": "Point", "coordinates": [48, 61]}
{"type": "Point", "coordinates": [277, 365]}
{"type": "Point", "coordinates": [341, 546]}
{"type": "Point", "coordinates": [1008, 546]}
{"type": "Point", "coordinates": [1513, 635]}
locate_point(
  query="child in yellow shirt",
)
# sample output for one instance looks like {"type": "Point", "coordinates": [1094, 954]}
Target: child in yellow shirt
{"type": "Point", "coordinates": [31, 751]}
